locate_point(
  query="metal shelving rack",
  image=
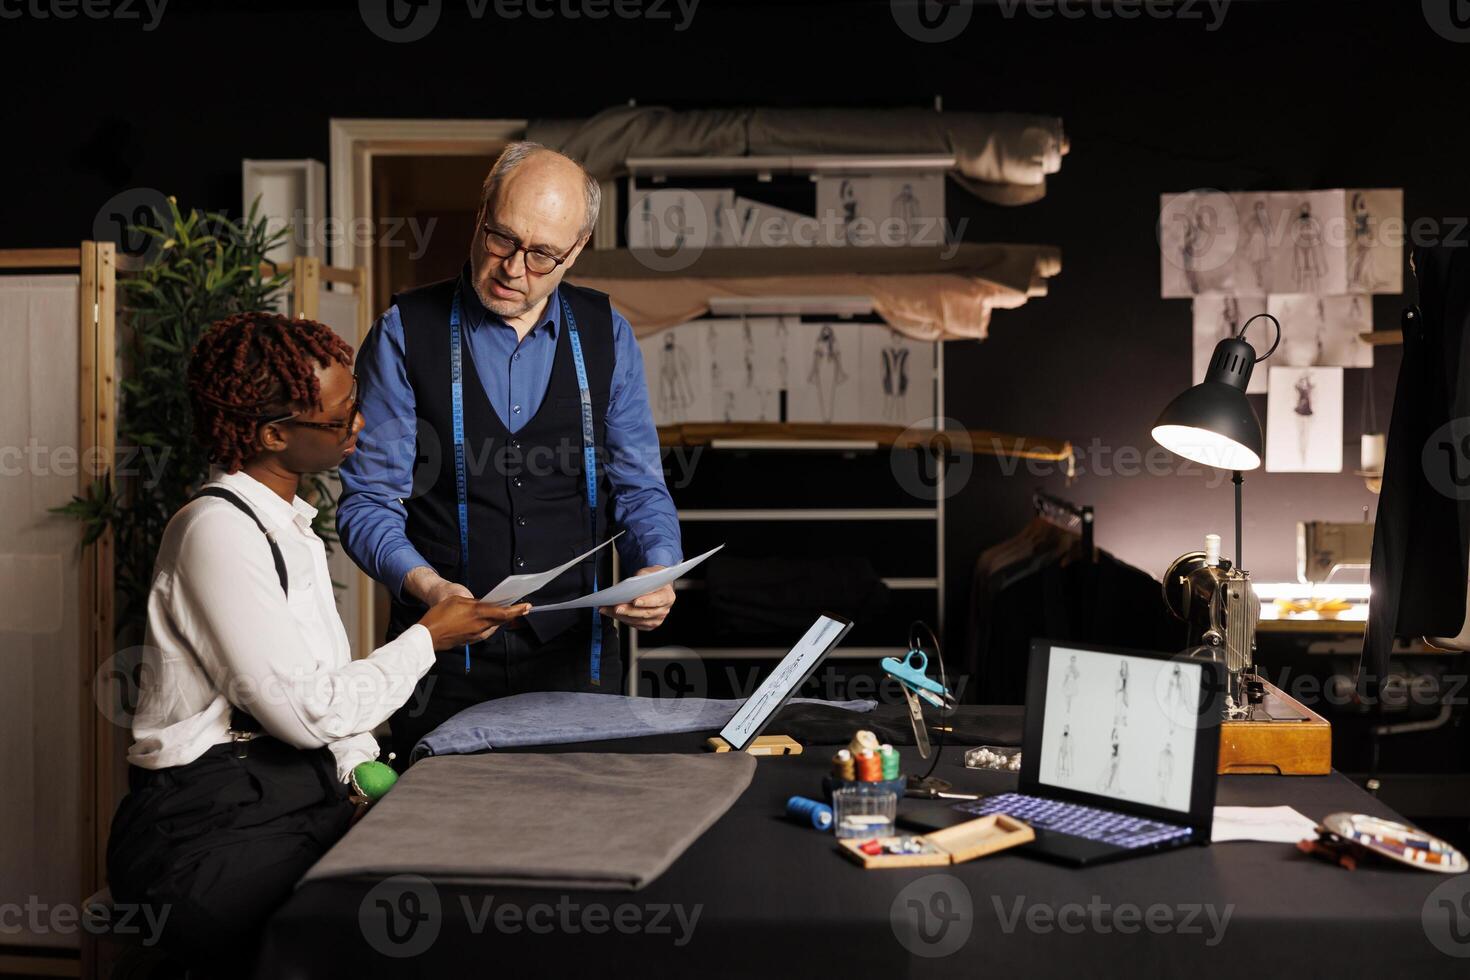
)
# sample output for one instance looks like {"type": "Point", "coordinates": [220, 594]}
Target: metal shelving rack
{"type": "Point", "coordinates": [935, 513]}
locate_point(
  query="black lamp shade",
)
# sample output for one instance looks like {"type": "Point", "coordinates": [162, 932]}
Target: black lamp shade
{"type": "Point", "coordinates": [1213, 423]}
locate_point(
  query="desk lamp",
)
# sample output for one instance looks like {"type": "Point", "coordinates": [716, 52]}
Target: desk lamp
{"type": "Point", "coordinates": [1213, 424]}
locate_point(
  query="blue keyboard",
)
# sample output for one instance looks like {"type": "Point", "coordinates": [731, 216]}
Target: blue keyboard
{"type": "Point", "coordinates": [1090, 823]}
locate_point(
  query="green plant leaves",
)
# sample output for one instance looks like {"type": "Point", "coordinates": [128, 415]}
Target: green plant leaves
{"type": "Point", "coordinates": [208, 268]}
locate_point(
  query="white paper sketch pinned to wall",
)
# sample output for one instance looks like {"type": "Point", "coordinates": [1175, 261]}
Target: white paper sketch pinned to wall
{"type": "Point", "coordinates": [896, 376]}
{"type": "Point", "coordinates": [823, 385]}
{"type": "Point", "coordinates": [1375, 243]}
{"type": "Point", "coordinates": [676, 369]}
{"type": "Point", "coordinates": [1324, 331]}
{"type": "Point", "coordinates": [1257, 238]}
{"type": "Point", "coordinates": [675, 218]}
{"type": "Point", "coordinates": [759, 225]}
{"type": "Point", "coordinates": [1304, 420]}
{"type": "Point", "coordinates": [1311, 229]}
{"type": "Point", "coordinates": [1198, 232]}
{"type": "Point", "coordinates": [742, 378]}
{"type": "Point", "coordinates": [907, 209]}
{"type": "Point", "coordinates": [1217, 317]}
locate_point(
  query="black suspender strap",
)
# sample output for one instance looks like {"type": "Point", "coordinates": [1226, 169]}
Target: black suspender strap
{"type": "Point", "coordinates": [270, 538]}
{"type": "Point", "coordinates": [242, 725]}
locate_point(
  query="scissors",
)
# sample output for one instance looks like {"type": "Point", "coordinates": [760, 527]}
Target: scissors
{"type": "Point", "coordinates": [911, 674]}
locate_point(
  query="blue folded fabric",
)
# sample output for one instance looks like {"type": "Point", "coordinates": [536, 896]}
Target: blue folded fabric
{"type": "Point", "coordinates": [557, 717]}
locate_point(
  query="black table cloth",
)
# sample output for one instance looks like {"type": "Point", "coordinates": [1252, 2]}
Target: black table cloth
{"type": "Point", "coordinates": [760, 895]}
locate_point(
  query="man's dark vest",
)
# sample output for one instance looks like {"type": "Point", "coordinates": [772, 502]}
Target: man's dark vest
{"type": "Point", "coordinates": [527, 492]}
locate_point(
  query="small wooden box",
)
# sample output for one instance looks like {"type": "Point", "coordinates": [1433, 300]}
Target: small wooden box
{"type": "Point", "coordinates": [1281, 748]}
{"type": "Point", "coordinates": [952, 845]}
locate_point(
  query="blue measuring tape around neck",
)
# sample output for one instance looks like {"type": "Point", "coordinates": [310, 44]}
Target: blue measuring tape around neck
{"type": "Point", "coordinates": [589, 459]}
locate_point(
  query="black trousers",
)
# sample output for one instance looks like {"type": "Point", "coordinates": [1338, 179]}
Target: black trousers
{"type": "Point", "coordinates": [512, 661]}
{"type": "Point", "coordinates": [219, 843]}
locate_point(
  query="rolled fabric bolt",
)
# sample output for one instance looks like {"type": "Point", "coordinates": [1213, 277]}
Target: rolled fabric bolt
{"type": "Point", "coordinates": [814, 812]}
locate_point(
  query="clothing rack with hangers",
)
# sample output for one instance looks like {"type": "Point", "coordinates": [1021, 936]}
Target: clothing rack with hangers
{"type": "Point", "coordinates": [1066, 515]}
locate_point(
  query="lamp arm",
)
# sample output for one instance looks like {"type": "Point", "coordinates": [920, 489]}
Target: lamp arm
{"type": "Point", "coordinates": [1274, 344]}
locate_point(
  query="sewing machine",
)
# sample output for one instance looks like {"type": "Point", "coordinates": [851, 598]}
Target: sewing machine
{"type": "Point", "coordinates": [1263, 729]}
{"type": "Point", "coordinates": [1324, 548]}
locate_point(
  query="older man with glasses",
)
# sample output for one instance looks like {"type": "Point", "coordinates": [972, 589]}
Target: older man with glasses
{"type": "Point", "coordinates": [508, 431]}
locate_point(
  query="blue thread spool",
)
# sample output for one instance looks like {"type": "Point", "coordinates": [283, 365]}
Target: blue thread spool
{"type": "Point", "coordinates": [803, 810]}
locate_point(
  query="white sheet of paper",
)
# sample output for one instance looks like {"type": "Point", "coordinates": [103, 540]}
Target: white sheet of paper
{"type": "Point", "coordinates": [629, 588]}
{"type": "Point", "coordinates": [514, 588]}
{"type": "Point", "coordinates": [1273, 824]}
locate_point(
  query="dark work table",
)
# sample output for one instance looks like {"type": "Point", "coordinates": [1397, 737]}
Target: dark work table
{"type": "Point", "coordinates": [773, 898]}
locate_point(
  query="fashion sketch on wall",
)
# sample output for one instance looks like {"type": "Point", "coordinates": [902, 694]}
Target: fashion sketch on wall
{"type": "Point", "coordinates": [676, 368]}
{"type": "Point", "coordinates": [743, 368]}
{"type": "Point", "coordinates": [1324, 331]}
{"type": "Point", "coordinates": [1217, 317]}
{"type": "Point", "coordinates": [824, 380]}
{"type": "Point", "coordinates": [1375, 240]}
{"type": "Point", "coordinates": [1304, 420]}
{"type": "Point", "coordinates": [1311, 229]}
{"type": "Point", "coordinates": [1198, 233]}
{"type": "Point", "coordinates": [674, 218]}
{"type": "Point", "coordinates": [907, 209]}
{"type": "Point", "coordinates": [896, 376]}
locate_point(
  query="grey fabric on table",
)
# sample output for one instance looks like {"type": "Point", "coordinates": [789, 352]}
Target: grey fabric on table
{"type": "Point", "coordinates": [578, 820]}
{"type": "Point", "coordinates": [560, 717]}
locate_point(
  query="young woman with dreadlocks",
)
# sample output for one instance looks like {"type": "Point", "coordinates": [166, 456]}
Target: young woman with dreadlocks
{"type": "Point", "coordinates": [252, 715]}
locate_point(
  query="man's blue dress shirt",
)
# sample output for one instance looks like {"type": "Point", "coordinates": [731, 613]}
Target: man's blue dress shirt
{"type": "Point", "coordinates": [379, 476]}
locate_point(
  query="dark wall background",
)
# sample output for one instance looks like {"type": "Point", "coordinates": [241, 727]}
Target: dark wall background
{"type": "Point", "coordinates": [1279, 96]}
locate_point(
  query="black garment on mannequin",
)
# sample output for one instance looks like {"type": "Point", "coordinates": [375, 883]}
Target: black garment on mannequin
{"type": "Point", "coordinates": [1421, 536]}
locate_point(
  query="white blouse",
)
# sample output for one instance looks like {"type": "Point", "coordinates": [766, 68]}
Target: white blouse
{"type": "Point", "coordinates": [218, 621]}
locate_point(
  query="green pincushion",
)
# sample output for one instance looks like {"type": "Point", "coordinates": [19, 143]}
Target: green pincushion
{"type": "Point", "coordinates": [373, 780]}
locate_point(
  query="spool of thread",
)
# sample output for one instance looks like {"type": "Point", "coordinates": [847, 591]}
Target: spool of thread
{"type": "Point", "coordinates": [889, 756]}
{"type": "Point", "coordinates": [843, 767]}
{"type": "Point", "coordinates": [803, 810]}
{"type": "Point", "coordinates": [1372, 449]}
{"type": "Point", "coordinates": [869, 766]}
{"type": "Point", "coordinates": [864, 741]}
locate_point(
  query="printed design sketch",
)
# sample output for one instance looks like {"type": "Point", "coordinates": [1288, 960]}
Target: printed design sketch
{"type": "Point", "coordinates": [1064, 752]}
{"type": "Point", "coordinates": [672, 219]}
{"type": "Point", "coordinates": [896, 376]}
{"type": "Point", "coordinates": [742, 375]}
{"type": "Point", "coordinates": [675, 385]}
{"type": "Point", "coordinates": [1323, 331]}
{"type": "Point", "coordinates": [676, 370]}
{"type": "Point", "coordinates": [904, 210]}
{"type": "Point", "coordinates": [1120, 696]}
{"type": "Point", "coordinates": [1217, 317]}
{"type": "Point", "coordinates": [1112, 772]}
{"type": "Point", "coordinates": [758, 225]}
{"type": "Point", "coordinates": [823, 381]}
{"type": "Point", "coordinates": [1308, 242]}
{"type": "Point", "coordinates": [827, 373]}
{"type": "Point", "coordinates": [1165, 772]}
{"type": "Point", "coordinates": [1198, 236]}
{"type": "Point", "coordinates": [1308, 257]}
{"type": "Point", "coordinates": [1304, 420]}
{"type": "Point", "coordinates": [1253, 261]}
{"type": "Point", "coordinates": [1375, 240]}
